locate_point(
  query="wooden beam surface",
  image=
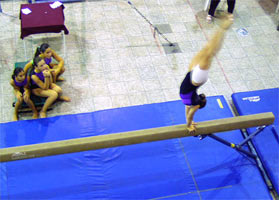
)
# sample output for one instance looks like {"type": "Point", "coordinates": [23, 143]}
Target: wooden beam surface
{"type": "Point", "coordinates": [132, 137]}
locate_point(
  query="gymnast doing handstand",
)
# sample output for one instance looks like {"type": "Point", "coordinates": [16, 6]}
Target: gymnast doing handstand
{"type": "Point", "coordinates": [197, 75]}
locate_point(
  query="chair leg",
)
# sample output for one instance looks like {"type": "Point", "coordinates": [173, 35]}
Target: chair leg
{"type": "Point", "coordinates": [206, 5]}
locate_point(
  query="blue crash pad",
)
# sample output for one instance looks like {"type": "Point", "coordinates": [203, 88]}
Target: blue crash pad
{"type": "Point", "coordinates": [267, 142]}
{"type": "Point", "coordinates": [184, 168]}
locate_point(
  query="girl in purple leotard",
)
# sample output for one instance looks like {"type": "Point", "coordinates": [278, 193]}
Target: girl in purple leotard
{"type": "Point", "coordinates": [20, 82]}
{"type": "Point", "coordinates": [44, 51]}
{"type": "Point", "coordinates": [43, 85]}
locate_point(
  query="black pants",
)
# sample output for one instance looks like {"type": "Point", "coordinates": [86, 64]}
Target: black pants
{"type": "Point", "coordinates": [214, 4]}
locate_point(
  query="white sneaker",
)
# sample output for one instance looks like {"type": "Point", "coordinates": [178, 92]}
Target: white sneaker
{"type": "Point", "coordinates": [209, 19]}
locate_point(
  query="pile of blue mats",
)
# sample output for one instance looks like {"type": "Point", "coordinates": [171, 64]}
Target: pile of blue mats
{"type": "Point", "coordinates": [267, 142]}
{"type": "Point", "coordinates": [184, 168]}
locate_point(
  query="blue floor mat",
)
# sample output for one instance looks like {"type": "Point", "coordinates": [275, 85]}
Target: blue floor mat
{"type": "Point", "coordinates": [184, 168]}
{"type": "Point", "coordinates": [267, 142]}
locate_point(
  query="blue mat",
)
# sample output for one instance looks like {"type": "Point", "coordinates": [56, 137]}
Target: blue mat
{"type": "Point", "coordinates": [267, 142]}
{"type": "Point", "coordinates": [172, 169]}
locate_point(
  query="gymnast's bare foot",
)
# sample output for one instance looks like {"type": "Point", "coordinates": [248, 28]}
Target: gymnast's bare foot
{"type": "Point", "coordinates": [60, 78]}
{"type": "Point", "coordinates": [64, 98]}
{"type": "Point", "coordinates": [43, 114]}
{"type": "Point", "coordinates": [35, 115]}
{"type": "Point", "coordinates": [226, 24]}
{"type": "Point", "coordinates": [15, 116]}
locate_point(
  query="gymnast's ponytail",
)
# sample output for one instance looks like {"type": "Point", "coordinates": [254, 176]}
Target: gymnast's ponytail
{"type": "Point", "coordinates": [41, 49]}
{"type": "Point", "coordinates": [38, 52]}
{"type": "Point", "coordinates": [202, 101]}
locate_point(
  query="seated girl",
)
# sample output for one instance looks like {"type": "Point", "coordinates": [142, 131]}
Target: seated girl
{"type": "Point", "coordinates": [42, 85]}
{"type": "Point", "coordinates": [20, 82]}
{"type": "Point", "coordinates": [45, 52]}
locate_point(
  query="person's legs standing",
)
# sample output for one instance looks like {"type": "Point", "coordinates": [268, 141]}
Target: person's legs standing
{"type": "Point", "coordinates": [213, 6]}
{"type": "Point", "coordinates": [211, 11]}
{"type": "Point", "coordinates": [231, 4]}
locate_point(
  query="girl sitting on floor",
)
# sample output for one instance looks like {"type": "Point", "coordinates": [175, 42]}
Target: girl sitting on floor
{"type": "Point", "coordinates": [42, 85]}
{"type": "Point", "coordinates": [45, 52]}
{"type": "Point", "coordinates": [20, 82]}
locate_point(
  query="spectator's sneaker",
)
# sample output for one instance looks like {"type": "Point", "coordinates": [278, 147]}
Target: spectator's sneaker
{"type": "Point", "coordinates": [230, 17]}
{"type": "Point", "coordinates": [209, 19]}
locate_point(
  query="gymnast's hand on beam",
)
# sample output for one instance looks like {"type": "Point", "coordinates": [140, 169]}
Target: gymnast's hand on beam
{"type": "Point", "coordinates": [191, 129]}
{"type": "Point", "coordinates": [194, 123]}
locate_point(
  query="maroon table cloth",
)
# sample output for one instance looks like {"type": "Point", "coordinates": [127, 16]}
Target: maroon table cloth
{"type": "Point", "coordinates": [42, 19]}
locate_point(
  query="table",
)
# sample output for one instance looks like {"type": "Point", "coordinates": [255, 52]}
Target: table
{"type": "Point", "coordinates": [42, 19]}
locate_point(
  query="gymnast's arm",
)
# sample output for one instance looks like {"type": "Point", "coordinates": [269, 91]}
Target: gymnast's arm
{"type": "Point", "coordinates": [58, 59]}
{"type": "Point", "coordinates": [190, 112]}
{"type": "Point", "coordinates": [16, 89]}
{"type": "Point", "coordinates": [27, 66]}
{"type": "Point", "coordinates": [43, 85]}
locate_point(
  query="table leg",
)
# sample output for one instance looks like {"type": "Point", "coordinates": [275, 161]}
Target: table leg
{"type": "Point", "coordinates": [64, 44]}
{"type": "Point", "coordinates": [206, 5]}
{"type": "Point", "coordinates": [25, 49]}
{"type": "Point", "coordinates": [277, 9]}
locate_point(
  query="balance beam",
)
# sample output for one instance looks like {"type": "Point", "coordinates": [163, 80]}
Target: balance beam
{"type": "Point", "coordinates": [132, 137]}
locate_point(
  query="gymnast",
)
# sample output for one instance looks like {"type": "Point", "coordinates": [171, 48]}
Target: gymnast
{"type": "Point", "coordinates": [198, 74]}
{"type": "Point", "coordinates": [20, 82]}
{"type": "Point", "coordinates": [45, 52]}
{"type": "Point", "coordinates": [42, 85]}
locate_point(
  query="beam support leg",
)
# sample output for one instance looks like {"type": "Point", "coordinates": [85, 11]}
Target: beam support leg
{"type": "Point", "coordinates": [232, 145]}
{"type": "Point", "coordinates": [251, 136]}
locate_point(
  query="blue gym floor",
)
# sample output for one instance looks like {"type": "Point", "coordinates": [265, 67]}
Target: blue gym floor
{"type": "Point", "coordinates": [186, 168]}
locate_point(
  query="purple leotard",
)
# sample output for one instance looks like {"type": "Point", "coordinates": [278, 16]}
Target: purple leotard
{"type": "Point", "coordinates": [40, 76]}
{"type": "Point", "coordinates": [187, 98]}
{"type": "Point", "coordinates": [21, 84]}
{"type": "Point", "coordinates": [48, 61]}
{"type": "Point", "coordinates": [188, 91]}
